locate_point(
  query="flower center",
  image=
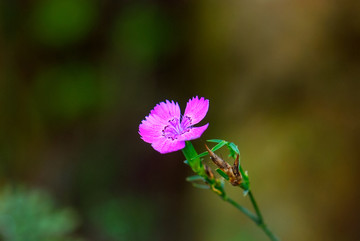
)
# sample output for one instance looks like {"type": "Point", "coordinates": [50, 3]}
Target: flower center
{"type": "Point", "coordinates": [175, 128]}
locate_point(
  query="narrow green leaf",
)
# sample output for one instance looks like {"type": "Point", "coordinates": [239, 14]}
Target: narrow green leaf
{"type": "Point", "coordinates": [234, 151]}
{"type": "Point", "coordinates": [195, 178]}
{"type": "Point", "coordinates": [223, 174]}
{"type": "Point", "coordinates": [244, 174]}
{"type": "Point", "coordinates": [245, 186]}
{"type": "Point", "coordinates": [222, 183]}
{"type": "Point", "coordinates": [245, 192]}
{"type": "Point", "coordinates": [201, 186]}
{"type": "Point", "coordinates": [234, 147]}
{"type": "Point", "coordinates": [215, 148]}
{"type": "Point", "coordinates": [215, 140]}
{"type": "Point", "coordinates": [219, 145]}
{"type": "Point", "coordinates": [200, 155]}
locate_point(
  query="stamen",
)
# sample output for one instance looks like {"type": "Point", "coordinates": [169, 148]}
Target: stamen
{"type": "Point", "coordinates": [176, 128]}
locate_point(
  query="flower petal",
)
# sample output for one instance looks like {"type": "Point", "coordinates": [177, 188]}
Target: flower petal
{"type": "Point", "coordinates": [196, 109]}
{"type": "Point", "coordinates": [151, 128]}
{"type": "Point", "coordinates": [149, 134]}
{"type": "Point", "coordinates": [166, 145]}
{"type": "Point", "coordinates": [193, 133]}
{"type": "Point", "coordinates": [166, 110]}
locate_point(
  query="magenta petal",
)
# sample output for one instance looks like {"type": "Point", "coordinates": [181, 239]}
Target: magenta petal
{"type": "Point", "coordinates": [149, 133]}
{"type": "Point", "coordinates": [193, 133]}
{"type": "Point", "coordinates": [196, 109]}
{"type": "Point", "coordinates": [166, 110]}
{"type": "Point", "coordinates": [151, 128]}
{"type": "Point", "coordinates": [165, 145]}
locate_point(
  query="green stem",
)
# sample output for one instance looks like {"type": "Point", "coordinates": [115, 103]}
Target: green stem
{"type": "Point", "coordinates": [260, 219]}
{"type": "Point", "coordinates": [195, 163]}
{"type": "Point", "coordinates": [256, 207]}
{"type": "Point", "coordinates": [269, 233]}
{"type": "Point", "coordinates": [243, 210]}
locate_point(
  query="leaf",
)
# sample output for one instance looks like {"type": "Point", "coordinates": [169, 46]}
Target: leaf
{"type": "Point", "coordinates": [234, 150]}
{"type": "Point", "coordinates": [201, 186]}
{"type": "Point", "coordinates": [245, 186]}
{"type": "Point", "coordinates": [200, 155]}
{"type": "Point", "coordinates": [195, 178]}
{"type": "Point", "coordinates": [223, 174]}
{"type": "Point", "coordinates": [244, 174]}
{"type": "Point", "coordinates": [215, 148]}
{"type": "Point", "coordinates": [234, 147]}
{"type": "Point", "coordinates": [190, 154]}
{"type": "Point", "coordinates": [245, 192]}
{"type": "Point", "coordinates": [222, 183]}
{"type": "Point", "coordinates": [216, 140]}
{"type": "Point", "coordinates": [219, 145]}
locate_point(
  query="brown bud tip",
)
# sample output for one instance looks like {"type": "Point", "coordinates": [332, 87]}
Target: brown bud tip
{"type": "Point", "coordinates": [209, 172]}
{"type": "Point", "coordinates": [236, 166]}
{"type": "Point", "coordinates": [217, 160]}
{"type": "Point", "coordinates": [208, 149]}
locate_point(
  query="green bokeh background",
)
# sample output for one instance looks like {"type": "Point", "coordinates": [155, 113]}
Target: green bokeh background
{"type": "Point", "coordinates": [78, 76]}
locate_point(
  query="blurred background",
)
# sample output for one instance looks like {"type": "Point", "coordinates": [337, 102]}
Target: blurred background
{"type": "Point", "coordinates": [78, 76]}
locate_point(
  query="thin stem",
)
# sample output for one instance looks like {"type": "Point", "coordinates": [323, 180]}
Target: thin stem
{"type": "Point", "coordinates": [269, 233]}
{"type": "Point", "coordinates": [260, 219]}
{"type": "Point", "coordinates": [244, 210]}
{"type": "Point", "coordinates": [257, 210]}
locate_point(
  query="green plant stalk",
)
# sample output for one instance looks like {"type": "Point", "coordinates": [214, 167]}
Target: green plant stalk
{"type": "Point", "coordinates": [246, 211]}
{"type": "Point", "coordinates": [196, 165]}
{"type": "Point", "coordinates": [261, 222]}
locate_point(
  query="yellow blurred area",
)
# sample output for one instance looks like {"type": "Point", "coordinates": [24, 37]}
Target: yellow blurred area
{"type": "Point", "coordinates": [78, 76]}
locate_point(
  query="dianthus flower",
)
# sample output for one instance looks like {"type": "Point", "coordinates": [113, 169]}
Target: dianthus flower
{"type": "Point", "coordinates": [167, 130]}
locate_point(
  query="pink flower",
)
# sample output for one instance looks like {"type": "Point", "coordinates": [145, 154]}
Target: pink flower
{"type": "Point", "coordinates": [167, 130]}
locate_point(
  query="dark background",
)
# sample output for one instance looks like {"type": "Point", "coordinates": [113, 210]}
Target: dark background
{"type": "Point", "coordinates": [78, 76]}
